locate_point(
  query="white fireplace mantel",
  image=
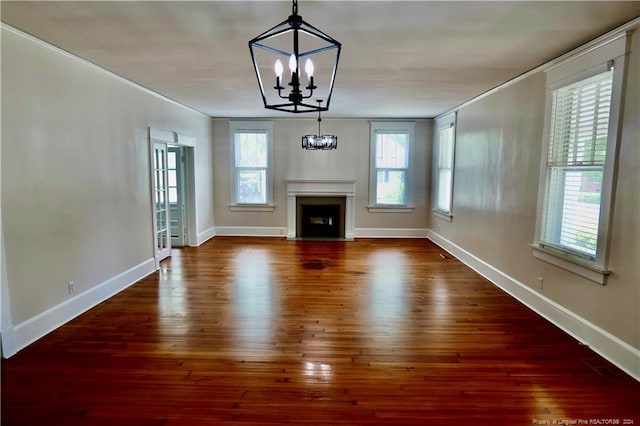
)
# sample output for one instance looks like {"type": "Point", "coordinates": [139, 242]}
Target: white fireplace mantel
{"type": "Point", "coordinates": [321, 188]}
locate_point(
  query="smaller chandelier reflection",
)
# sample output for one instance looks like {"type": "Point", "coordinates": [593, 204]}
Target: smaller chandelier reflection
{"type": "Point", "coordinates": [319, 141]}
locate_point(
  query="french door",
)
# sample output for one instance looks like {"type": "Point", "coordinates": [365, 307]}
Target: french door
{"type": "Point", "coordinates": [162, 228]}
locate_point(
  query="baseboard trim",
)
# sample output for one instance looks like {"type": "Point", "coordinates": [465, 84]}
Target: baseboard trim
{"type": "Point", "coordinates": [258, 231]}
{"type": "Point", "coordinates": [37, 327]}
{"type": "Point", "coordinates": [618, 352]}
{"type": "Point", "coordinates": [390, 232]}
{"type": "Point", "coordinates": [206, 235]}
{"type": "Point", "coordinates": [251, 231]}
{"type": "Point", "coordinates": [8, 342]}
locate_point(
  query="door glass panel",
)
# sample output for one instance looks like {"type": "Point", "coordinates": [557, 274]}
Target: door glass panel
{"type": "Point", "coordinates": [173, 180]}
{"type": "Point", "coordinates": [173, 195]}
{"type": "Point", "coordinates": [160, 201]}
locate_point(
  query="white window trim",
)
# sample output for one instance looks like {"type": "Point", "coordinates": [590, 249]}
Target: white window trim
{"type": "Point", "coordinates": [389, 209]}
{"type": "Point", "coordinates": [443, 122]}
{"type": "Point", "coordinates": [444, 216]}
{"type": "Point", "coordinates": [581, 67]}
{"type": "Point", "coordinates": [401, 127]}
{"type": "Point", "coordinates": [263, 126]}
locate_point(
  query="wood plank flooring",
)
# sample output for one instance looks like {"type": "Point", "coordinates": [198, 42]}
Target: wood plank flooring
{"type": "Point", "coordinates": [244, 331]}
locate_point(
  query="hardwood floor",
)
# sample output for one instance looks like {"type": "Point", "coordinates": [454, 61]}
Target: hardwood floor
{"type": "Point", "coordinates": [267, 331]}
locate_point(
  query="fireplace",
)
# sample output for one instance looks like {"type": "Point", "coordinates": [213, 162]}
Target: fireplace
{"type": "Point", "coordinates": [320, 217]}
{"type": "Point", "coordinates": [323, 221]}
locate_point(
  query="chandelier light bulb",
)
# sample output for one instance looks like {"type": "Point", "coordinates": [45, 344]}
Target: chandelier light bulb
{"type": "Point", "coordinates": [293, 64]}
{"type": "Point", "coordinates": [308, 68]}
{"type": "Point", "coordinates": [278, 67]}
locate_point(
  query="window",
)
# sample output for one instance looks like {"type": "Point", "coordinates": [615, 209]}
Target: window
{"type": "Point", "coordinates": [252, 160]}
{"type": "Point", "coordinates": [575, 163]}
{"type": "Point", "coordinates": [391, 144]}
{"type": "Point", "coordinates": [577, 177]}
{"type": "Point", "coordinates": [444, 154]}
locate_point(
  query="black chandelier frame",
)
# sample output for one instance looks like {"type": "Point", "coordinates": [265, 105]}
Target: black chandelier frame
{"type": "Point", "coordinates": [296, 99]}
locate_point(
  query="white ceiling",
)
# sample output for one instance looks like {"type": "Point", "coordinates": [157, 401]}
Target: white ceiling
{"type": "Point", "coordinates": [400, 59]}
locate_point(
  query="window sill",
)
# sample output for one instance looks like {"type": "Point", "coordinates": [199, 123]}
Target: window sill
{"type": "Point", "coordinates": [442, 215]}
{"type": "Point", "coordinates": [390, 209]}
{"type": "Point", "coordinates": [571, 263]}
{"type": "Point", "coordinates": [252, 207]}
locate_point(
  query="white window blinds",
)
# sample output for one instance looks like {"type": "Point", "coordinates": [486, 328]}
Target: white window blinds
{"type": "Point", "coordinates": [579, 125]}
{"type": "Point", "coordinates": [445, 168]}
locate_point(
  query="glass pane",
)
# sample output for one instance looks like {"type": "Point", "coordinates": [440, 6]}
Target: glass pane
{"type": "Point", "coordinates": [173, 179]}
{"type": "Point", "coordinates": [173, 195]}
{"type": "Point", "coordinates": [156, 158]}
{"type": "Point", "coordinates": [573, 209]}
{"type": "Point", "coordinates": [160, 181]}
{"type": "Point", "coordinates": [159, 159]}
{"type": "Point", "coordinates": [162, 240]}
{"type": "Point", "coordinates": [390, 186]}
{"type": "Point", "coordinates": [252, 186]}
{"type": "Point", "coordinates": [251, 149]}
{"type": "Point", "coordinates": [392, 150]}
{"type": "Point", "coordinates": [581, 211]}
{"type": "Point", "coordinates": [444, 190]}
{"type": "Point", "coordinates": [171, 159]}
{"type": "Point", "coordinates": [445, 148]}
{"type": "Point", "coordinates": [160, 215]}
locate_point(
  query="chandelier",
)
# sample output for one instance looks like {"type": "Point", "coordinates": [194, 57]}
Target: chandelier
{"type": "Point", "coordinates": [291, 42]}
{"type": "Point", "coordinates": [319, 141]}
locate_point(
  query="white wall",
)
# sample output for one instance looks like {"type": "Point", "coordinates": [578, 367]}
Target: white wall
{"type": "Point", "coordinates": [498, 150]}
{"type": "Point", "coordinates": [76, 203]}
{"type": "Point", "coordinates": [349, 161]}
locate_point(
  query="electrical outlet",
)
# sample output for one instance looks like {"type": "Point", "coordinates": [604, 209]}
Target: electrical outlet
{"type": "Point", "coordinates": [72, 287]}
{"type": "Point", "coordinates": [540, 282]}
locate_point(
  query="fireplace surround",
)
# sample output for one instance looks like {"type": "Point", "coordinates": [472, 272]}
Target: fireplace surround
{"type": "Point", "coordinates": [325, 192]}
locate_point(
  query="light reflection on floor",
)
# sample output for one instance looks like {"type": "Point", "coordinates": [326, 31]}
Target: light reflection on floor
{"type": "Point", "coordinates": [386, 293]}
{"type": "Point", "coordinates": [545, 406]}
{"type": "Point", "coordinates": [253, 296]}
{"type": "Point", "coordinates": [440, 298]}
{"type": "Point", "coordinates": [172, 303]}
{"type": "Point", "coordinates": [171, 288]}
{"type": "Point", "coordinates": [317, 372]}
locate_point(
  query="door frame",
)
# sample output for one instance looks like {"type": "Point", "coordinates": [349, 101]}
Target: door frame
{"type": "Point", "coordinates": [180, 204]}
{"type": "Point", "coordinates": [188, 142]}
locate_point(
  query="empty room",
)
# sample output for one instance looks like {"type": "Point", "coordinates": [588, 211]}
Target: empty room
{"type": "Point", "coordinates": [320, 212]}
